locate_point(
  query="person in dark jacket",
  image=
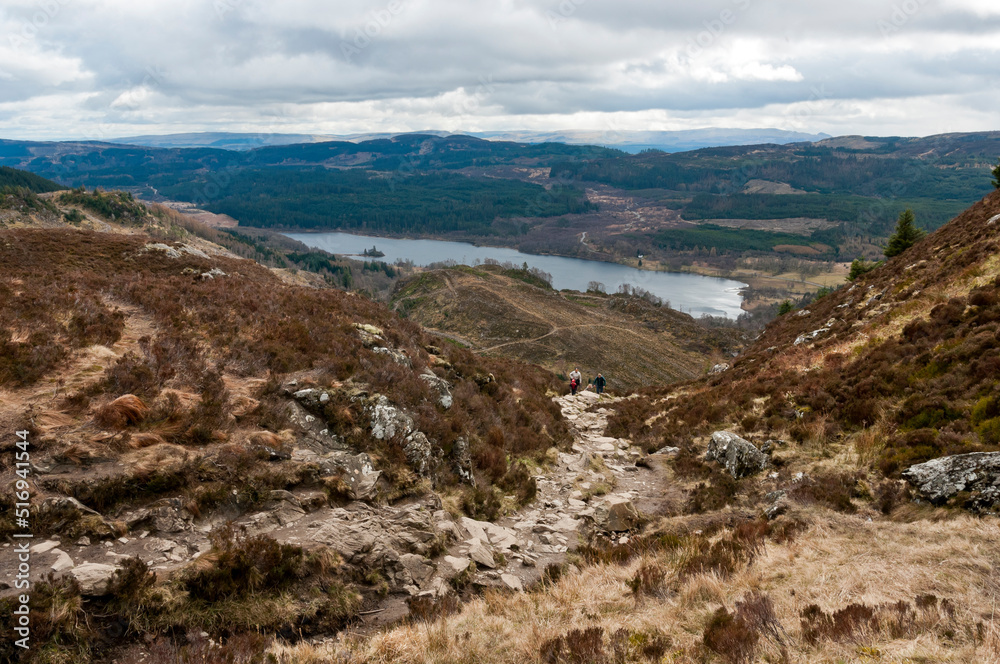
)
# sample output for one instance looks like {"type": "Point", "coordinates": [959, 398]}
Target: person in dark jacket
{"type": "Point", "coordinates": [599, 383]}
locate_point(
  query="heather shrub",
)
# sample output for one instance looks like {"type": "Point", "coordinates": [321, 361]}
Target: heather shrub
{"type": "Point", "coordinates": [739, 636]}
{"type": "Point", "coordinates": [648, 579]}
{"type": "Point", "coordinates": [730, 637]}
{"type": "Point", "coordinates": [240, 564]}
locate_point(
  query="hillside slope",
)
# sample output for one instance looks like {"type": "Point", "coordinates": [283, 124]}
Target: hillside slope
{"type": "Point", "coordinates": [166, 389]}
{"type": "Point", "coordinates": [904, 360]}
{"type": "Point", "coordinates": [505, 312]}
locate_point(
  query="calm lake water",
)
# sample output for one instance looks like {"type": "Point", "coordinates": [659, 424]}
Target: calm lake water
{"type": "Point", "coordinates": [690, 293]}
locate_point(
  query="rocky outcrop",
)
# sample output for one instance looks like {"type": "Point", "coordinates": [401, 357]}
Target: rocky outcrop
{"type": "Point", "coordinates": [737, 455]}
{"type": "Point", "coordinates": [977, 474]}
{"type": "Point", "coordinates": [359, 474]}
{"type": "Point", "coordinates": [809, 336]}
{"type": "Point", "coordinates": [396, 355]}
{"type": "Point", "coordinates": [462, 459]}
{"type": "Point", "coordinates": [396, 544]}
{"type": "Point", "coordinates": [168, 515]}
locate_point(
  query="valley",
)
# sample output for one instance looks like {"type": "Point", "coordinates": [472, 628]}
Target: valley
{"type": "Point", "coordinates": [233, 453]}
{"type": "Point", "coordinates": [799, 208]}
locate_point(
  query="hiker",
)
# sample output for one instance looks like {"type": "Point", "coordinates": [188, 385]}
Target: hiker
{"type": "Point", "coordinates": [574, 379]}
{"type": "Point", "coordinates": [599, 383]}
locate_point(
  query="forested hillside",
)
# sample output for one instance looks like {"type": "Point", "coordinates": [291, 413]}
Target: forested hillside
{"type": "Point", "coordinates": [13, 178]}
{"type": "Point", "coordinates": [438, 202]}
{"type": "Point", "coordinates": [859, 182]}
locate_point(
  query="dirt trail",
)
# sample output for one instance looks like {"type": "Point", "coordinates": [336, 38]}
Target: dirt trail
{"type": "Point", "coordinates": [558, 329]}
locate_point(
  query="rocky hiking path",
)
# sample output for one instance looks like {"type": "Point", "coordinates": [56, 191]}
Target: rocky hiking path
{"type": "Point", "coordinates": [595, 486]}
{"type": "Point", "coordinates": [410, 549]}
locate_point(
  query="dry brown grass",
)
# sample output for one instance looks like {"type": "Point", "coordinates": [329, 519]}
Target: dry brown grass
{"type": "Point", "coordinates": [840, 560]}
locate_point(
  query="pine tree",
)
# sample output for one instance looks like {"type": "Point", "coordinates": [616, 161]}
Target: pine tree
{"type": "Point", "coordinates": [905, 235]}
{"type": "Point", "coordinates": [996, 175]}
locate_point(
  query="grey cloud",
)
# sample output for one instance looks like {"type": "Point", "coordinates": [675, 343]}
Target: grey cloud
{"type": "Point", "coordinates": [539, 58]}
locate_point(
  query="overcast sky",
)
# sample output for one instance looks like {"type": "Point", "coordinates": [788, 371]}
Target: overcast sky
{"type": "Point", "coordinates": [106, 68]}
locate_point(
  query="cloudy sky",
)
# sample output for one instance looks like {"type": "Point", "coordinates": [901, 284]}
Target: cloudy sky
{"type": "Point", "coordinates": [106, 68]}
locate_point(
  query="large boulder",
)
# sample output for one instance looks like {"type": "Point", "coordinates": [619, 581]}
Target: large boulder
{"type": "Point", "coordinates": [977, 474]}
{"type": "Point", "coordinates": [737, 455]}
{"type": "Point", "coordinates": [616, 514]}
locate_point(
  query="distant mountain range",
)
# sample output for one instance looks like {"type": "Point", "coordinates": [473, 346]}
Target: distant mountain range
{"type": "Point", "coordinates": [629, 141]}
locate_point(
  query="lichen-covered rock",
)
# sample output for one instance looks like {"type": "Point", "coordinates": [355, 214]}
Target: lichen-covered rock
{"type": "Point", "coordinates": [359, 475]}
{"type": "Point", "coordinates": [418, 452]}
{"type": "Point", "coordinates": [737, 455]}
{"type": "Point", "coordinates": [977, 474]}
{"type": "Point", "coordinates": [396, 355]}
{"type": "Point", "coordinates": [462, 458]}
{"type": "Point", "coordinates": [388, 420]}
{"type": "Point", "coordinates": [440, 386]}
